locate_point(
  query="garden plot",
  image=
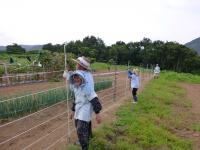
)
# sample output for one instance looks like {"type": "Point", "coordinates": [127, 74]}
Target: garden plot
{"type": "Point", "coordinates": [48, 127]}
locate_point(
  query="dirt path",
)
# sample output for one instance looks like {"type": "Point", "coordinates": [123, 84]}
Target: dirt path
{"type": "Point", "coordinates": [193, 94]}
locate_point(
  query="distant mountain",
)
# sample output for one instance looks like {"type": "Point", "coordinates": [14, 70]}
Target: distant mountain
{"type": "Point", "coordinates": [194, 44]}
{"type": "Point", "coordinates": [26, 47]}
{"type": "Point", "coordinates": [2, 48]}
{"type": "Point", "coordinates": [32, 47]}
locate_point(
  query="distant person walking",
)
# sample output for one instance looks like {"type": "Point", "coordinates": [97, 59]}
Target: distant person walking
{"type": "Point", "coordinates": [156, 71]}
{"type": "Point", "coordinates": [135, 83]}
{"type": "Point", "coordinates": [86, 100]}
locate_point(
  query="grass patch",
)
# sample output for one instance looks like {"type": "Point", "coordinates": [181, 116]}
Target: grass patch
{"type": "Point", "coordinates": [196, 127]}
{"type": "Point", "coordinates": [182, 77]}
{"type": "Point", "coordinates": [21, 59]}
{"type": "Point", "coordinates": [147, 125]}
{"type": "Point", "coordinates": [99, 66]}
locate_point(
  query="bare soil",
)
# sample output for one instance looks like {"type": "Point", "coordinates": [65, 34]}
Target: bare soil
{"type": "Point", "coordinates": [28, 88]}
{"type": "Point", "coordinates": [24, 89]}
{"type": "Point", "coordinates": [193, 94]}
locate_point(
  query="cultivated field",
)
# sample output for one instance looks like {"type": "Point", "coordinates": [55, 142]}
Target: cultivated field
{"type": "Point", "coordinates": [50, 128]}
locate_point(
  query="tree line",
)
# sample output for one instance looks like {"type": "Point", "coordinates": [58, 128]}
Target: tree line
{"type": "Point", "coordinates": [169, 55]}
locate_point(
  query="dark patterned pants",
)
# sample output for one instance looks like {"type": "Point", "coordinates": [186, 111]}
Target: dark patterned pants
{"type": "Point", "coordinates": [84, 132]}
{"type": "Point", "coordinates": [134, 93]}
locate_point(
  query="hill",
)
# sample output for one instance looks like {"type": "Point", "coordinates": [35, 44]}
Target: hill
{"type": "Point", "coordinates": [32, 47]}
{"type": "Point", "coordinates": [194, 44]}
{"type": "Point", "coordinates": [2, 48]}
{"type": "Point", "coordinates": [26, 47]}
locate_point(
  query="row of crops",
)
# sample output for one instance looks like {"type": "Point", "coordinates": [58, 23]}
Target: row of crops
{"type": "Point", "coordinates": [31, 103]}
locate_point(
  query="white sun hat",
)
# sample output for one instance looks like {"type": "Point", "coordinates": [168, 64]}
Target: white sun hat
{"type": "Point", "coordinates": [136, 71]}
{"type": "Point", "coordinates": [84, 62]}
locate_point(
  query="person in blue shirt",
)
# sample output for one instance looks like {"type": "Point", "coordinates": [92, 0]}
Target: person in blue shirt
{"type": "Point", "coordinates": [86, 100]}
{"type": "Point", "coordinates": [135, 83]}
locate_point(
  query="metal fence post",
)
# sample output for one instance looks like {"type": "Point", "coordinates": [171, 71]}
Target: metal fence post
{"type": "Point", "coordinates": [115, 84]}
{"type": "Point", "coordinates": [6, 73]}
{"type": "Point", "coordinates": [151, 75]}
{"type": "Point", "coordinates": [147, 71]}
{"type": "Point", "coordinates": [127, 83]}
{"type": "Point", "coordinates": [140, 75]}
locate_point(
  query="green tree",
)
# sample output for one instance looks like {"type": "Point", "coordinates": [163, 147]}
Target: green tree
{"type": "Point", "coordinates": [169, 55]}
{"type": "Point", "coordinates": [55, 61]}
{"type": "Point", "coordinates": [74, 47]}
{"type": "Point", "coordinates": [134, 55]}
{"type": "Point", "coordinates": [96, 44]}
{"type": "Point", "coordinates": [15, 49]}
{"type": "Point", "coordinates": [48, 46]}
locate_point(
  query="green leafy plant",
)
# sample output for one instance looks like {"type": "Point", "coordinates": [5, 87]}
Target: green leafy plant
{"type": "Point", "coordinates": [31, 103]}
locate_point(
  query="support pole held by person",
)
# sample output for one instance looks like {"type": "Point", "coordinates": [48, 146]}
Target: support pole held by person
{"type": "Point", "coordinates": [86, 100]}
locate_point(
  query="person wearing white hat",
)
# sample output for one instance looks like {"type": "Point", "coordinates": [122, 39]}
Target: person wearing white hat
{"type": "Point", "coordinates": [82, 63]}
{"type": "Point", "coordinates": [156, 71]}
{"type": "Point", "coordinates": [86, 100]}
{"type": "Point", "coordinates": [134, 76]}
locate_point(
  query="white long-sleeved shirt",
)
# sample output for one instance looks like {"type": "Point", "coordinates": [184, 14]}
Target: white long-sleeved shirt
{"type": "Point", "coordinates": [157, 69]}
{"type": "Point", "coordinates": [135, 81]}
{"type": "Point", "coordinates": [83, 95]}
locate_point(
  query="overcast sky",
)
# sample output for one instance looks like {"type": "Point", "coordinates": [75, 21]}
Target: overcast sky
{"type": "Point", "coordinates": [57, 21]}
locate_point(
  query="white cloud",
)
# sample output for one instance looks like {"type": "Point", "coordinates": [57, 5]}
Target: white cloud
{"type": "Point", "coordinates": [42, 21]}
